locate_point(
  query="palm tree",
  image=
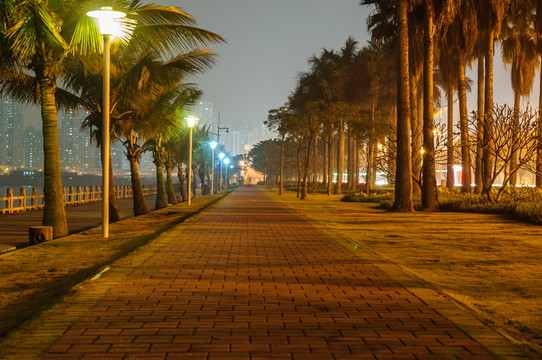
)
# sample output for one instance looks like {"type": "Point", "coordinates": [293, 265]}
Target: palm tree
{"type": "Point", "coordinates": [457, 44]}
{"type": "Point", "coordinates": [166, 125]}
{"type": "Point", "coordinates": [489, 14]}
{"type": "Point", "coordinates": [35, 39]}
{"type": "Point", "coordinates": [39, 37]}
{"type": "Point", "coordinates": [277, 120]}
{"type": "Point", "coordinates": [538, 27]}
{"type": "Point", "coordinates": [436, 15]}
{"type": "Point", "coordinates": [519, 53]}
{"type": "Point", "coordinates": [403, 174]}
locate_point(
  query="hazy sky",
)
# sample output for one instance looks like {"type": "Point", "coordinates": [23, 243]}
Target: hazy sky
{"type": "Point", "coordinates": [269, 43]}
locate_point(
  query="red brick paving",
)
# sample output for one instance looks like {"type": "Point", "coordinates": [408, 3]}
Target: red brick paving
{"type": "Point", "coordinates": [252, 280]}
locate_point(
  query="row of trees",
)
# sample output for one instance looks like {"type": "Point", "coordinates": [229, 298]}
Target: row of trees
{"type": "Point", "coordinates": [50, 56]}
{"type": "Point", "coordinates": [384, 96]}
{"type": "Point", "coordinates": [452, 35]}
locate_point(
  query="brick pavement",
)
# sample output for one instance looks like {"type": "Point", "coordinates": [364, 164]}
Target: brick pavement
{"type": "Point", "coordinates": [251, 280]}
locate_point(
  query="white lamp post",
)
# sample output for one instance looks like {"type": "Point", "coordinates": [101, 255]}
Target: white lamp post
{"type": "Point", "coordinates": [191, 121]}
{"type": "Point", "coordinates": [213, 145]}
{"type": "Point", "coordinates": [226, 161]}
{"type": "Point", "coordinates": [108, 24]}
{"type": "Point", "coordinates": [221, 156]}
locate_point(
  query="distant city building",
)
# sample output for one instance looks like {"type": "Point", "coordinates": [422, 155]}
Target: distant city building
{"type": "Point", "coordinates": [78, 152]}
{"type": "Point", "coordinates": [230, 140]}
{"type": "Point", "coordinates": [203, 110]}
{"type": "Point", "coordinates": [11, 132]}
{"type": "Point", "coordinates": [92, 161]}
{"type": "Point", "coordinates": [33, 148]}
{"type": "Point", "coordinates": [72, 143]}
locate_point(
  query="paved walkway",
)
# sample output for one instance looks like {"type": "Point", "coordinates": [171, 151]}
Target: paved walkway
{"type": "Point", "coordinates": [251, 280]}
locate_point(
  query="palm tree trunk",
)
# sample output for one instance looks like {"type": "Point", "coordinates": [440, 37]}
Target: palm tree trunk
{"type": "Point", "coordinates": [54, 213]}
{"type": "Point", "coordinates": [330, 165]}
{"type": "Point", "coordinates": [479, 174]}
{"type": "Point", "coordinates": [299, 173]}
{"type": "Point", "coordinates": [416, 128]}
{"type": "Point", "coordinates": [515, 126]}
{"type": "Point", "coordinates": [171, 197]}
{"type": "Point", "coordinates": [203, 172]}
{"type": "Point", "coordinates": [182, 181]}
{"type": "Point", "coordinates": [324, 165]}
{"type": "Point", "coordinates": [429, 183]}
{"type": "Point", "coordinates": [114, 215]}
{"type": "Point", "coordinates": [464, 125]}
{"type": "Point", "coordinates": [314, 166]}
{"type": "Point", "coordinates": [369, 181]}
{"type": "Point", "coordinates": [281, 182]}
{"type": "Point", "coordinates": [349, 160]}
{"type": "Point", "coordinates": [539, 139]}
{"type": "Point", "coordinates": [450, 140]}
{"type": "Point", "coordinates": [488, 157]}
{"type": "Point", "coordinates": [140, 204]}
{"type": "Point", "coordinates": [340, 159]}
{"type": "Point", "coordinates": [308, 146]}
{"type": "Point", "coordinates": [403, 173]}
{"type": "Point", "coordinates": [357, 166]}
{"type": "Point", "coordinates": [161, 201]}
{"type": "Point", "coordinates": [352, 160]}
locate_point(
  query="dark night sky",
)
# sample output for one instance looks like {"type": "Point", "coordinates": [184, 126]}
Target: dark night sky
{"type": "Point", "coordinates": [269, 42]}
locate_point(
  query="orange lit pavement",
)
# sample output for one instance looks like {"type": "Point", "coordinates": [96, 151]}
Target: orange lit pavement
{"type": "Point", "coordinates": [248, 279]}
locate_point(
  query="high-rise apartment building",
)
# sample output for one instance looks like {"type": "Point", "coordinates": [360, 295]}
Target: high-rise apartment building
{"type": "Point", "coordinates": [78, 152]}
{"type": "Point", "coordinates": [204, 111]}
{"type": "Point", "coordinates": [33, 148]}
{"type": "Point", "coordinates": [11, 132]}
{"type": "Point", "coordinates": [72, 143]}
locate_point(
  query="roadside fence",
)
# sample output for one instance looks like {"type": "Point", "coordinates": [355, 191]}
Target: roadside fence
{"type": "Point", "coordinates": [79, 195]}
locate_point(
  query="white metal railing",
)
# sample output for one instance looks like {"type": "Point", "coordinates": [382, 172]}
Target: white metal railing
{"type": "Point", "coordinates": [81, 195]}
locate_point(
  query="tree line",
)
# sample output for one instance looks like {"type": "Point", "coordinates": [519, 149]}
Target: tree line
{"type": "Point", "coordinates": [371, 109]}
{"type": "Point", "coordinates": [51, 57]}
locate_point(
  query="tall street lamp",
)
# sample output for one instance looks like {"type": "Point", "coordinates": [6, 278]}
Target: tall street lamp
{"type": "Point", "coordinates": [191, 121]}
{"type": "Point", "coordinates": [221, 156]}
{"type": "Point", "coordinates": [213, 145]}
{"type": "Point", "coordinates": [227, 162]}
{"type": "Point", "coordinates": [108, 24]}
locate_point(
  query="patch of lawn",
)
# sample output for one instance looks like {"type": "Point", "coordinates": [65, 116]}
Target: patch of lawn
{"type": "Point", "coordinates": [490, 264]}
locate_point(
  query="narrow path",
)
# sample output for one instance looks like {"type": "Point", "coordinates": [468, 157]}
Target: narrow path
{"type": "Point", "coordinates": [251, 280]}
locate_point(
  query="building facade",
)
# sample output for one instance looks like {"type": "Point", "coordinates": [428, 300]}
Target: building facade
{"type": "Point", "coordinates": [11, 133]}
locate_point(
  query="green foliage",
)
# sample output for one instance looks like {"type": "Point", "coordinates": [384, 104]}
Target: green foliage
{"type": "Point", "coordinates": [518, 203]}
{"type": "Point", "coordinates": [266, 157]}
{"type": "Point", "coordinates": [362, 197]}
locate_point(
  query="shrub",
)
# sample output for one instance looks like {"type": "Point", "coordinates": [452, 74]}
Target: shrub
{"type": "Point", "coordinates": [519, 203]}
{"type": "Point", "coordinates": [362, 197]}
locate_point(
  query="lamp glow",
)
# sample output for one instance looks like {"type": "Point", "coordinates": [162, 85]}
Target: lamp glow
{"type": "Point", "coordinates": [107, 20]}
{"type": "Point", "coordinates": [191, 121]}
{"type": "Point", "coordinates": [226, 161]}
{"type": "Point", "coordinates": [213, 144]}
{"type": "Point", "coordinates": [221, 156]}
